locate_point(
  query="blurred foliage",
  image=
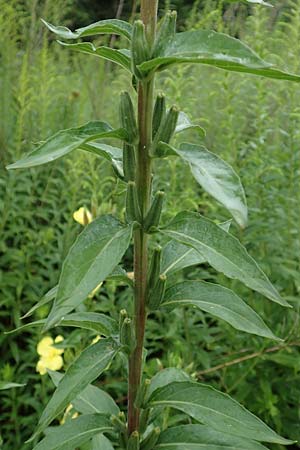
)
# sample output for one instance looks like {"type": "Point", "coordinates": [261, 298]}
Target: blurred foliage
{"type": "Point", "coordinates": [250, 122]}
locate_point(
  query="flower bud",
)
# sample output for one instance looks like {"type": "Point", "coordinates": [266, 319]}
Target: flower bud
{"type": "Point", "coordinates": [134, 441]}
{"type": "Point", "coordinates": [152, 218]}
{"type": "Point", "coordinates": [127, 117]}
{"type": "Point", "coordinates": [139, 46]}
{"type": "Point", "coordinates": [165, 34]}
{"type": "Point", "coordinates": [128, 162]}
{"type": "Point", "coordinates": [159, 113]}
{"type": "Point", "coordinates": [149, 442]}
{"type": "Point", "coordinates": [156, 294]}
{"type": "Point", "coordinates": [133, 211]}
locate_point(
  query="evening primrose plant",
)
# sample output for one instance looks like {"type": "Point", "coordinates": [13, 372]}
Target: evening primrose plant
{"type": "Point", "coordinates": [212, 419]}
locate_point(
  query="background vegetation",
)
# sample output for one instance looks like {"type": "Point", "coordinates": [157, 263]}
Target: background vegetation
{"type": "Point", "coordinates": [251, 122]}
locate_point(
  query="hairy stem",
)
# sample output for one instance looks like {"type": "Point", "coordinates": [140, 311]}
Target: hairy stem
{"type": "Point", "coordinates": [143, 183]}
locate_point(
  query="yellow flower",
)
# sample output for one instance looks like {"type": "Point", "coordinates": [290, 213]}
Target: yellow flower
{"type": "Point", "coordinates": [83, 216]}
{"type": "Point", "coordinates": [50, 357]}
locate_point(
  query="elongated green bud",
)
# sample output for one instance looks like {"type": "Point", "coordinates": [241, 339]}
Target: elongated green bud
{"type": "Point", "coordinates": [118, 423]}
{"type": "Point", "coordinates": [144, 419]}
{"type": "Point", "coordinates": [159, 113]}
{"type": "Point", "coordinates": [127, 117]}
{"type": "Point", "coordinates": [156, 294]}
{"type": "Point", "coordinates": [127, 337]}
{"type": "Point", "coordinates": [133, 211]}
{"type": "Point", "coordinates": [152, 218]}
{"type": "Point", "coordinates": [128, 162]}
{"type": "Point", "coordinates": [154, 269]}
{"type": "Point", "coordinates": [149, 442]}
{"type": "Point", "coordinates": [123, 314]}
{"type": "Point", "coordinates": [166, 129]}
{"type": "Point", "coordinates": [139, 46]}
{"type": "Point", "coordinates": [134, 441]}
{"type": "Point", "coordinates": [165, 34]}
{"type": "Point", "coordinates": [142, 394]}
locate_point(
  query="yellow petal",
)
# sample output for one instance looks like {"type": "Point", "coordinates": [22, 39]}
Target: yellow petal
{"type": "Point", "coordinates": [44, 346]}
{"type": "Point", "coordinates": [40, 367]}
{"type": "Point", "coordinates": [83, 216]}
{"type": "Point", "coordinates": [53, 363]}
{"type": "Point", "coordinates": [58, 339]}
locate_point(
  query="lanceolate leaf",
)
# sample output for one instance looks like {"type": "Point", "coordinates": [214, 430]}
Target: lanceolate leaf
{"type": "Point", "coordinates": [213, 408]}
{"type": "Point", "coordinates": [109, 26]}
{"type": "Point", "coordinates": [184, 123]}
{"type": "Point", "coordinates": [215, 49]}
{"type": "Point", "coordinates": [100, 442]}
{"type": "Point", "coordinates": [217, 178]}
{"type": "Point", "coordinates": [100, 323]}
{"type": "Point", "coordinates": [120, 57]}
{"type": "Point", "coordinates": [167, 376]}
{"type": "Point", "coordinates": [111, 154]}
{"type": "Point", "coordinates": [93, 256]}
{"type": "Point", "coordinates": [91, 400]}
{"type": "Point", "coordinates": [65, 141]}
{"type": "Point", "coordinates": [75, 432]}
{"type": "Point", "coordinates": [201, 437]}
{"type": "Point", "coordinates": [222, 251]}
{"type": "Point", "coordinates": [218, 301]}
{"type": "Point", "coordinates": [85, 369]}
{"type": "Point", "coordinates": [9, 385]}
{"type": "Point", "coordinates": [176, 256]}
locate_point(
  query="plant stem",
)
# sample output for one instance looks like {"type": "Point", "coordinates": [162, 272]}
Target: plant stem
{"type": "Point", "coordinates": [143, 183]}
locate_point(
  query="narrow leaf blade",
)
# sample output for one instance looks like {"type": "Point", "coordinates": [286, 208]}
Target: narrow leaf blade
{"type": "Point", "coordinates": [75, 432]}
{"type": "Point", "coordinates": [120, 57]}
{"type": "Point", "coordinates": [93, 256]}
{"type": "Point", "coordinates": [177, 256]}
{"type": "Point", "coordinates": [65, 141]}
{"type": "Point", "coordinates": [222, 251]}
{"type": "Point", "coordinates": [109, 26]}
{"type": "Point", "coordinates": [215, 49]}
{"type": "Point", "coordinates": [200, 437]}
{"type": "Point", "coordinates": [219, 302]}
{"type": "Point", "coordinates": [217, 178]}
{"type": "Point", "coordinates": [213, 408]}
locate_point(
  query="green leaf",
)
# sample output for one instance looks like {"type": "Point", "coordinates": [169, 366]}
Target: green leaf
{"type": "Point", "coordinates": [93, 256]}
{"type": "Point", "coordinates": [110, 26]}
{"type": "Point", "coordinates": [91, 400]}
{"type": "Point", "coordinates": [112, 154]}
{"type": "Point", "coordinates": [50, 295]}
{"type": "Point", "coordinates": [222, 251]}
{"type": "Point", "coordinates": [215, 409]}
{"type": "Point", "coordinates": [215, 49]}
{"type": "Point", "coordinates": [100, 442]}
{"type": "Point", "coordinates": [184, 123]}
{"type": "Point", "coordinates": [9, 385]}
{"type": "Point", "coordinates": [166, 376]}
{"type": "Point", "coordinates": [217, 178]}
{"type": "Point", "coordinates": [201, 437]}
{"type": "Point", "coordinates": [75, 432]}
{"type": "Point", "coordinates": [177, 256]}
{"type": "Point", "coordinates": [100, 323]}
{"type": "Point", "coordinates": [259, 2]}
{"type": "Point", "coordinates": [85, 369]}
{"type": "Point", "coordinates": [219, 302]}
{"type": "Point", "coordinates": [65, 141]}
{"type": "Point", "coordinates": [120, 57]}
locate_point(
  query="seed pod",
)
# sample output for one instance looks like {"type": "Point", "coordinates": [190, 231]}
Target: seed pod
{"type": "Point", "coordinates": [142, 394]}
{"type": "Point", "coordinates": [165, 34]}
{"type": "Point", "coordinates": [133, 211]}
{"type": "Point", "coordinates": [127, 117]}
{"type": "Point", "coordinates": [166, 129]}
{"type": "Point", "coordinates": [152, 218]}
{"type": "Point", "coordinates": [159, 112]}
{"type": "Point", "coordinates": [127, 337]}
{"type": "Point", "coordinates": [134, 441]}
{"type": "Point", "coordinates": [149, 442]}
{"type": "Point", "coordinates": [156, 294]}
{"type": "Point", "coordinates": [139, 46]}
{"type": "Point", "coordinates": [128, 162]}
{"type": "Point", "coordinates": [154, 269]}
{"type": "Point", "coordinates": [144, 419]}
